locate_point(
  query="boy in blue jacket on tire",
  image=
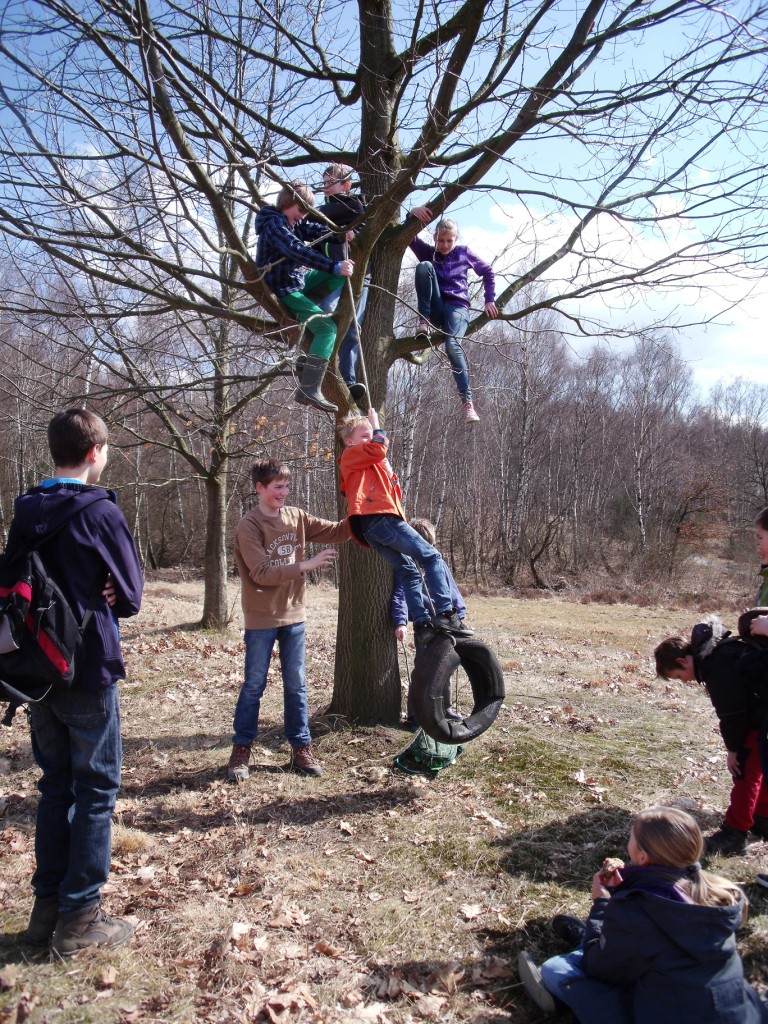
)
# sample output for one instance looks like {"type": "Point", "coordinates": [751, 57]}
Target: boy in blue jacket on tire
{"type": "Point", "coordinates": [399, 606]}
{"type": "Point", "coordinates": [76, 737]}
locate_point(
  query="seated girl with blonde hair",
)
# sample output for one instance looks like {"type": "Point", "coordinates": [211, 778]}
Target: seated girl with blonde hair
{"type": "Point", "coordinates": [659, 945]}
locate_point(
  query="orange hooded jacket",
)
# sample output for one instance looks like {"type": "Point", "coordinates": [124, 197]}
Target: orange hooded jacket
{"type": "Point", "coordinates": [367, 480]}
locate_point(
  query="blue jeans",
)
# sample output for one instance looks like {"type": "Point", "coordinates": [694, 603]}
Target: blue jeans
{"type": "Point", "coordinates": [451, 319]}
{"type": "Point", "coordinates": [258, 652]}
{"type": "Point", "coordinates": [592, 1001]}
{"type": "Point", "coordinates": [77, 744]}
{"type": "Point", "coordinates": [406, 550]}
{"type": "Point", "coordinates": [349, 349]}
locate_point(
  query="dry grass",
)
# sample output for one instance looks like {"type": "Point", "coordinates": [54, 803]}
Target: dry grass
{"type": "Point", "coordinates": [366, 894]}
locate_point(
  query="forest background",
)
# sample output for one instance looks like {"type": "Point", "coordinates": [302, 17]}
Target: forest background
{"type": "Point", "coordinates": [620, 146]}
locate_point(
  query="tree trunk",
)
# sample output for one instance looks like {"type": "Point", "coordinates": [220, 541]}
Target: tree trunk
{"type": "Point", "coordinates": [215, 608]}
{"type": "Point", "coordinates": [367, 680]}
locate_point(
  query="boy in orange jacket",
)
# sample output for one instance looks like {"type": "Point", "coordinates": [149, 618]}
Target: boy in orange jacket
{"type": "Point", "coordinates": [376, 520]}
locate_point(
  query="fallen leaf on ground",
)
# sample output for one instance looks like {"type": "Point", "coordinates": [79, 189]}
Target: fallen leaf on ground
{"type": "Point", "coordinates": [106, 977]}
{"type": "Point", "coordinates": [8, 978]}
{"type": "Point", "coordinates": [321, 946]}
{"type": "Point", "coordinates": [494, 967]}
{"type": "Point", "coordinates": [470, 911]}
{"type": "Point", "coordinates": [372, 1012]}
{"type": "Point", "coordinates": [429, 1006]}
{"type": "Point", "coordinates": [352, 998]}
{"type": "Point", "coordinates": [447, 977]}
{"type": "Point", "coordinates": [238, 933]}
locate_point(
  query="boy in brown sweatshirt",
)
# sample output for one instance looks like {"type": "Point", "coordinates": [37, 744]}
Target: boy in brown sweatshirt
{"type": "Point", "coordinates": [270, 549]}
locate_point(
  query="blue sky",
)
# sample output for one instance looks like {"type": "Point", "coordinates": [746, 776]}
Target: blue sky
{"type": "Point", "coordinates": [730, 340]}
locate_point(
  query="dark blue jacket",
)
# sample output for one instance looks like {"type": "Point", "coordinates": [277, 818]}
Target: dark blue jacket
{"type": "Point", "coordinates": [342, 209]}
{"type": "Point", "coordinates": [734, 673]}
{"type": "Point", "coordinates": [679, 959]}
{"type": "Point", "coordinates": [399, 609]}
{"type": "Point", "coordinates": [95, 543]}
{"type": "Point", "coordinates": [282, 255]}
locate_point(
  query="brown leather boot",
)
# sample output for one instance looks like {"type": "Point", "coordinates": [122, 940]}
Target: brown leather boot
{"type": "Point", "coordinates": [42, 920]}
{"type": "Point", "coordinates": [237, 769]}
{"type": "Point", "coordinates": [304, 761]}
{"type": "Point", "coordinates": [88, 927]}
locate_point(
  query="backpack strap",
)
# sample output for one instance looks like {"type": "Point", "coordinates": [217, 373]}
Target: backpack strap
{"type": "Point", "coordinates": [98, 494]}
{"type": "Point", "coordinates": [14, 698]}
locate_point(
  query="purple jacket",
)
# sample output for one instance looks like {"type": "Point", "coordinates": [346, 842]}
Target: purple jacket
{"type": "Point", "coordinates": [96, 542]}
{"type": "Point", "coordinates": [452, 269]}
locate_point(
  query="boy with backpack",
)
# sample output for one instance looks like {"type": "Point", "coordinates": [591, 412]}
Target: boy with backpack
{"type": "Point", "coordinates": [732, 671]}
{"type": "Point", "coordinates": [76, 742]}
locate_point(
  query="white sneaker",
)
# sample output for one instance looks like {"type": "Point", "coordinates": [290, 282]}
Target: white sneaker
{"type": "Point", "coordinates": [423, 329]}
{"type": "Point", "coordinates": [532, 983]}
{"type": "Point", "coordinates": [470, 415]}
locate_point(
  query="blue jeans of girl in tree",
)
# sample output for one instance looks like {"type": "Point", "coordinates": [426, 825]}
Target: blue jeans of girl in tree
{"type": "Point", "coordinates": [349, 350]}
{"type": "Point", "coordinates": [449, 318]}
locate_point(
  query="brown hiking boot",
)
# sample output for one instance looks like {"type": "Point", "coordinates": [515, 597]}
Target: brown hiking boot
{"type": "Point", "coordinates": [42, 920]}
{"type": "Point", "coordinates": [89, 927]}
{"type": "Point", "coordinates": [237, 769]}
{"type": "Point", "coordinates": [304, 761]}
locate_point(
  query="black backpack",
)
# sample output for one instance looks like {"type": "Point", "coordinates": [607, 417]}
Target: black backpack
{"type": "Point", "coordinates": [40, 636]}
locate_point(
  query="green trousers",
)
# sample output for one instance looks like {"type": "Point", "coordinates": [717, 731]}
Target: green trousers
{"type": "Point", "coordinates": [306, 311]}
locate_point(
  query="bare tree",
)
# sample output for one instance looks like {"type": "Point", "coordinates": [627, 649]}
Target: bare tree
{"type": "Point", "coordinates": [135, 145]}
{"type": "Point", "coordinates": [655, 385]}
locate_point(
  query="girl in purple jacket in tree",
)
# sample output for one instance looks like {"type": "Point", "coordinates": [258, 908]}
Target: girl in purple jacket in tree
{"type": "Point", "coordinates": [442, 299]}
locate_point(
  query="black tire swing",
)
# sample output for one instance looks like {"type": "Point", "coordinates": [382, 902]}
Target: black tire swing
{"type": "Point", "coordinates": [434, 666]}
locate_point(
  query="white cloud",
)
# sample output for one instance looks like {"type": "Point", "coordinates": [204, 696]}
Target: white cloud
{"type": "Point", "coordinates": [720, 312]}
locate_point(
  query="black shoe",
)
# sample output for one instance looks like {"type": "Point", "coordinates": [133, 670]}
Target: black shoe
{"type": "Point", "coordinates": [569, 928]}
{"type": "Point", "coordinates": [762, 880]}
{"type": "Point", "coordinates": [760, 827]}
{"type": "Point", "coordinates": [359, 392]}
{"type": "Point", "coordinates": [423, 633]}
{"type": "Point", "coordinates": [449, 622]}
{"type": "Point", "coordinates": [727, 841]}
